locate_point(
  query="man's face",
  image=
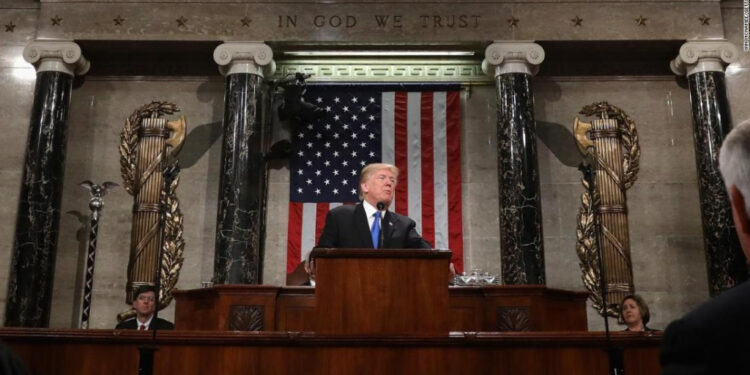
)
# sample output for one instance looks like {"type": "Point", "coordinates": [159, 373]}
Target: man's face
{"type": "Point", "coordinates": [145, 304]}
{"type": "Point", "coordinates": [379, 187]}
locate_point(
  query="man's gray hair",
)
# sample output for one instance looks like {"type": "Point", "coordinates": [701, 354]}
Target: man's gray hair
{"type": "Point", "coordinates": [734, 160]}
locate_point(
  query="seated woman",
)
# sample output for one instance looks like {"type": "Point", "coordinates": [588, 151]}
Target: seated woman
{"type": "Point", "coordinates": [634, 312]}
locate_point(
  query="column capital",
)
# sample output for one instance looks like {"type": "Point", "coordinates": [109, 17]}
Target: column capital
{"type": "Point", "coordinates": [56, 56]}
{"type": "Point", "coordinates": [245, 57]}
{"type": "Point", "coordinates": [502, 57]}
{"type": "Point", "coordinates": [704, 56]}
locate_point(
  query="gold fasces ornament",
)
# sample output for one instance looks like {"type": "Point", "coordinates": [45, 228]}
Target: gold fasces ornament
{"type": "Point", "coordinates": [148, 164]}
{"type": "Point", "coordinates": [610, 145]}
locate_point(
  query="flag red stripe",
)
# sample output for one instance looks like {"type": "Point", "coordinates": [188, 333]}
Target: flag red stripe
{"type": "Point", "coordinates": [321, 211]}
{"type": "Point", "coordinates": [453, 149]}
{"type": "Point", "coordinates": [294, 236]}
{"type": "Point", "coordinates": [400, 150]}
{"type": "Point", "coordinates": [428, 167]}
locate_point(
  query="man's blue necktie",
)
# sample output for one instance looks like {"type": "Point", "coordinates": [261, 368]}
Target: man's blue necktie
{"type": "Point", "coordinates": [375, 232]}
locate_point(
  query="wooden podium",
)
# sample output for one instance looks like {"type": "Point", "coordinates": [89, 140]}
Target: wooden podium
{"type": "Point", "coordinates": [361, 291]}
{"type": "Point", "coordinates": [387, 291]}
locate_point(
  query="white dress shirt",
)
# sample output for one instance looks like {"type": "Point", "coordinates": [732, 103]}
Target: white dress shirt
{"type": "Point", "coordinates": [370, 212]}
{"type": "Point", "coordinates": [144, 324]}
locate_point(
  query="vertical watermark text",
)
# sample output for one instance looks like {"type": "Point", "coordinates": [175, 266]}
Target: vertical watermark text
{"type": "Point", "coordinates": [746, 25]}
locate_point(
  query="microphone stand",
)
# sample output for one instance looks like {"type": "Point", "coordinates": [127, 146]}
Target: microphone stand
{"type": "Point", "coordinates": [381, 207]}
{"type": "Point", "coordinates": [615, 355]}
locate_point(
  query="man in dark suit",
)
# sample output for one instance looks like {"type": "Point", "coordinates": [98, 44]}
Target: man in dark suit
{"type": "Point", "coordinates": [366, 225]}
{"type": "Point", "coordinates": [144, 304]}
{"type": "Point", "coordinates": [10, 364]}
{"type": "Point", "coordinates": [715, 337]}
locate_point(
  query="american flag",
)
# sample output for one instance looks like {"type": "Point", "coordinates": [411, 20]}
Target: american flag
{"type": "Point", "coordinates": [415, 127]}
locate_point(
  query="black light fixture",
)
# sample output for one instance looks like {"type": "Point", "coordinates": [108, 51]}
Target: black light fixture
{"type": "Point", "coordinates": [293, 107]}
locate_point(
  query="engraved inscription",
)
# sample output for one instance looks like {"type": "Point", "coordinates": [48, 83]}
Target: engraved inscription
{"type": "Point", "coordinates": [287, 22]}
{"type": "Point", "coordinates": [335, 21]}
{"type": "Point", "coordinates": [392, 21]}
{"type": "Point", "coordinates": [462, 21]}
{"type": "Point", "coordinates": [380, 21]}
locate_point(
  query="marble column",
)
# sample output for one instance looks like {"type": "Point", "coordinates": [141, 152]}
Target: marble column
{"type": "Point", "coordinates": [38, 217]}
{"type": "Point", "coordinates": [703, 63]}
{"type": "Point", "coordinates": [239, 223]}
{"type": "Point", "coordinates": [513, 64]}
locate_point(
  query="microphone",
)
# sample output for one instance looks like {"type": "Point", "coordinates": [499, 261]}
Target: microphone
{"type": "Point", "coordinates": [381, 207]}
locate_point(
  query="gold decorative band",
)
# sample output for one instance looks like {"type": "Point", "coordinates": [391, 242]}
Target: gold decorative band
{"type": "Point", "coordinates": [604, 133]}
{"type": "Point", "coordinates": [620, 287]}
{"type": "Point", "coordinates": [613, 208]}
{"type": "Point", "coordinates": [155, 132]}
{"type": "Point", "coordinates": [146, 207]}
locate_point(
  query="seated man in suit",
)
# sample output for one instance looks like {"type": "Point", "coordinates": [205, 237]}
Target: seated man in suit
{"type": "Point", "coordinates": [368, 223]}
{"type": "Point", "coordinates": [715, 337]}
{"type": "Point", "coordinates": [144, 304]}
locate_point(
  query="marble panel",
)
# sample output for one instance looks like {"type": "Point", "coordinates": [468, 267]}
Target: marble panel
{"type": "Point", "coordinates": [479, 136]}
{"type": "Point", "coordinates": [561, 259]}
{"type": "Point", "coordinates": [274, 266]}
{"type": "Point", "coordinates": [479, 152]}
{"type": "Point", "coordinates": [483, 253]}
{"type": "Point", "coordinates": [664, 209]}
{"type": "Point", "coordinates": [278, 206]}
{"type": "Point", "coordinates": [669, 263]}
{"type": "Point", "coordinates": [551, 220]}
{"type": "Point", "coordinates": [480, 211]}
{"type": "Point", "coordinates": [560, 203]}
{"type": "Point", "coordinates": [277, 217]}
{"type": "Point", "coordinates": [479, 111]}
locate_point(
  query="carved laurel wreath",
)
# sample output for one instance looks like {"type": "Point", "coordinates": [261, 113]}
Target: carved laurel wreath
{"type": "Point", "coordinates": [586, 244]}
{"type": "Point", "coordinates": [173, 243]}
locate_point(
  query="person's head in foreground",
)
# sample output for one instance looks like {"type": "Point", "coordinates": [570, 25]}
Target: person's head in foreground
{"type": "Point", "coordinates": [734, 163]}
{"type": "Point", "coordinates": [713, 337]}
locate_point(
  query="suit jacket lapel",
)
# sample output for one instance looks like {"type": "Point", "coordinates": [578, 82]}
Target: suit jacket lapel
{"type": "Point", "coordinates": [362, 228]}
{"type": "Point", "coordinates": [387, 228]}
